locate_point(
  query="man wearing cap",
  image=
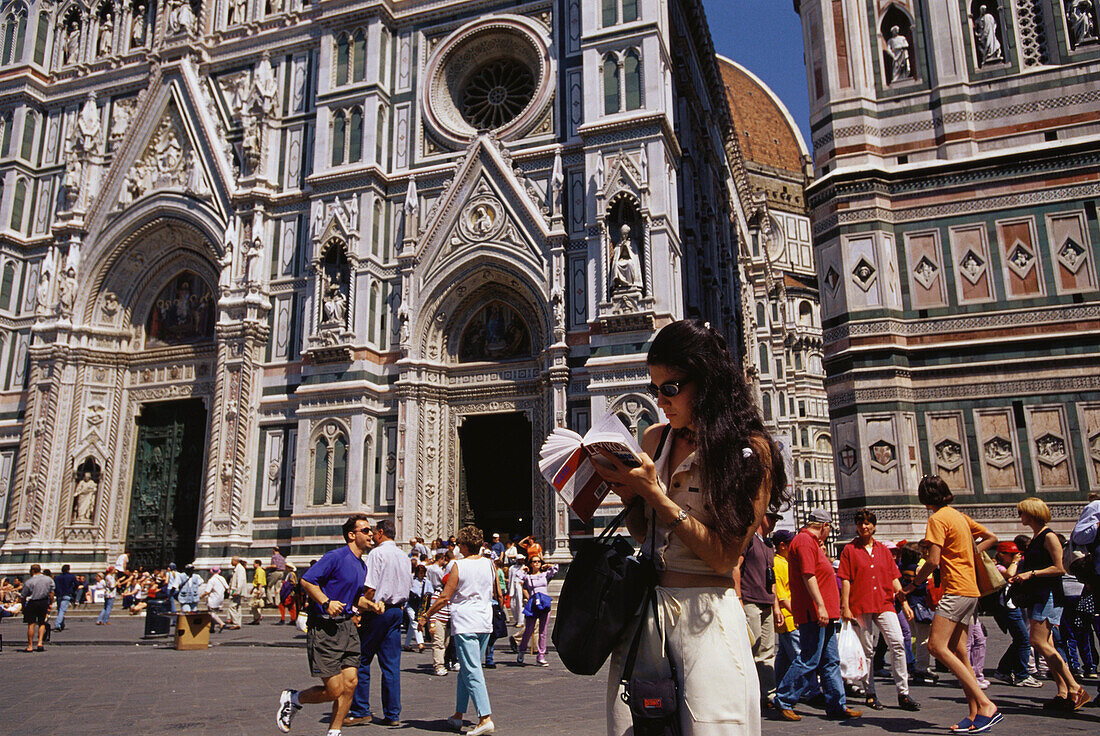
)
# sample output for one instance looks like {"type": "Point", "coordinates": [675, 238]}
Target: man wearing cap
{"type": "Point", "coordinates": [815, 600]}
{"type": "Point", "coordinates": [497, 547]}
{"type": "Point", "coordinates": [1012, 669]}
{"type": "Point", "coordinates": [190, 590]}
{"type": "Point", "coordinates": [175, 580]}
{"type": "Point", "coordinates": [214, 592]}
{"type": "Point", "coordinates": [870, 581]}
{"type": "Point", "coordinates": [753, 579]}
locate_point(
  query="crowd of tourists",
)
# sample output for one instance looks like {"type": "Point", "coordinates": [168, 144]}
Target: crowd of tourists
{"type": "Point", "coordinates": [739, 619]}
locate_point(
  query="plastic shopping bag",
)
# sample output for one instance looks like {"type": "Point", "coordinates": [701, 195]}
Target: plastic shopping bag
{"type": "Point", "coordinates": [300, 622]}
{"type": "Point", "coordinates": [853, 663]}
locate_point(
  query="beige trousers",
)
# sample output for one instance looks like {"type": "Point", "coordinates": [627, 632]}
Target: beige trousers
{"type": "Point", "coordinates": [707, 637]}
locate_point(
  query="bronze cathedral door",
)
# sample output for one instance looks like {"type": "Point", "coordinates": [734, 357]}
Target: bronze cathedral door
{"type": "Point", "coordinates": [164, 502]}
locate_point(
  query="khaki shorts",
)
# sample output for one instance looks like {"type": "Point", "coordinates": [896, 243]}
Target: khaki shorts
{"type": "Point", "coordinates": [958, 608]}
{"type": "Point", "coordinates": [332, 646]}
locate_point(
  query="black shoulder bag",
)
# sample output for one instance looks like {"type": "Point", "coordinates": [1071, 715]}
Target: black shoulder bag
{"type": "Point", "coordinates": [601, 594]}
{"type": "Point", "coordinates": [654, 704]}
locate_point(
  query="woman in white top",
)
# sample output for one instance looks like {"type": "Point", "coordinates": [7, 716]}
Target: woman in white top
{"type": "Point", "coordinates": [214, 593]}
{"type": "Point", "coordinates": [470, 587]}
{"type": "Point", "coordinates": [702, 497]}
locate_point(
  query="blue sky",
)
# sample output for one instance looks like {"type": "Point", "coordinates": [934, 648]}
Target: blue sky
{"type": "Point", "coordinates": [765, 37]}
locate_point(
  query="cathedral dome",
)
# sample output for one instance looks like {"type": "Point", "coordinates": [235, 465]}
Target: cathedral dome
{"type": "Point", "coordinates": [765, 129]}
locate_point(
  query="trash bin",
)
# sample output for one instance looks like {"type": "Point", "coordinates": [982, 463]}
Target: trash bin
{"type": "Point", "coordinates": [193, 630]}
{"type": "Point", "coordinates": [158, 621]}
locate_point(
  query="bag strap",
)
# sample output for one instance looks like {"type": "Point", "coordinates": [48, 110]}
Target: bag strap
{"type": "Point", "coordinates": [635, 643]}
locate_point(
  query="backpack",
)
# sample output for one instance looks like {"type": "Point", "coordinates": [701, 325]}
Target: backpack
{"type": "Point", "coordinates": [1080, 562]}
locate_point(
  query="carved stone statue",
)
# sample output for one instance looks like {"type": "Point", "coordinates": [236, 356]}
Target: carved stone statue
{"type": "Point", "coordinates": [181, 18]}
{"type": "Point", "coordinates": [403, 316]}
{"type": "Point", "coordinates": [1082, 24]}
{"type": "Point", "coordinates": [106, 40]}
{"type": "Point", "coordinates": [74, 173]}
{"type": "Point", "coordinates": [196, 182]}
{"type": "Point", "coordinates": [250, 143]}
{"type": "Point", "coordinates": [273, 6]}
{"type": "Point", "coordinates": [71, 53]}
{"type": "Point", "coordinates": [84, 499]}
{"type": "Point", "coordinates": [137, 27]}
{"type": "Point", "coordinates": [985, 29]}
{"type": "Point", "coordinates": [122, 111]}
{"type": "Point", "coordinates": [335, 304]}
{"type": "Point", "coordinates": [66, 292]}
{"type": "Point", "coordinates": [265, 86]}
{"type": "Point", "coordinates": [628, 270]}
{"type": "Point", "coordinates": [898, 48]}
{"type": "Point", "coordinates": [237, 12]}
{"type": "Point", "coordinates": [87, 125]}
{"type": "Point", "coordinates": [42, 292]}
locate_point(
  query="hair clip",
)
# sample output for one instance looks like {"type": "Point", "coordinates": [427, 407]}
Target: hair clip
{"type": "Point", "coordinates": [707, 325]}
{"type": "Point", "coordinates": [746, 452]}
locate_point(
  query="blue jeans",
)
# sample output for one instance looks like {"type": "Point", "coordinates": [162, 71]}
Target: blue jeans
{"type": "Point", "coordinates": [380, 635]}
{"type": "Point", "coordinates": [1014, 660]}
{"type": "Point", "coordinates": [785, 653]}
{"type": "Point", "coordinates": [818, 653]}
{"type": "Point", "coordinates": [62, 606]}
{"type": "Point", "coordinates": [470, 649]}
{"type": "Point", "coordinates": [105, 614]}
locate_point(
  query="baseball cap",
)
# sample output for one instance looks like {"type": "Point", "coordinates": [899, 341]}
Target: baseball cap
{"type": "Point", "coordinates": [820, 516]}
{"type": "Point", "coordinates": [171, 566]}
{"type": "Point", "coordinates": [215, 570]}
{"type": "Point", "coordinates": [1008, 548]}
{"type": "Point", "coordinates": [496, 536]}
{"type": "Point", "coordinates": [783, 536]}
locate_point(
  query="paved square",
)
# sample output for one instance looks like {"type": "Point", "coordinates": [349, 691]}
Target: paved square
{"type": "Point", "coordinates": [105, 680]}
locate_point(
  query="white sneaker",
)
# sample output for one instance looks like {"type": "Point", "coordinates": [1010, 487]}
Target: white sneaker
{"type": "Point", "coordinates": [486, 727]}
{"type": "Point", "coordinates": [287, 710]}
{"type": "Point", "coordinates": [440, 672]}
{"type": "Point", "coordinates": [1029, 681]}
{"type": "Point", "coordinates": [454, 667]}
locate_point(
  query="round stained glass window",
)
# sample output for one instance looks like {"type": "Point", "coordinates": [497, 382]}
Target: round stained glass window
{"type": "Point", "coordinates": [497, 93]}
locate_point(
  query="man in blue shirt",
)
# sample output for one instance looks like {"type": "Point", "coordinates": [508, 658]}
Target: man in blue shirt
{"type": "Point", "coordinates": [334, 586]}
{"type": "Point", "coordinates": [497, 547]}
{"type": "Point", "coordinates": [65, 590]}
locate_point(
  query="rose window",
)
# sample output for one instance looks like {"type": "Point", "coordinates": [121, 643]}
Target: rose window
{"type": "Point", "coordinates": [497, 93]}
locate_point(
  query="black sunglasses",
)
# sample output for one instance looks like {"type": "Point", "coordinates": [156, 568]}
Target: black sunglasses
{"type": "Point", "coordinates": [669, 389]}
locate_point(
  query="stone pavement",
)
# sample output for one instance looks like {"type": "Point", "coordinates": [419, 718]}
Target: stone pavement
{"type": "Point", "coordinates": [106, 680]}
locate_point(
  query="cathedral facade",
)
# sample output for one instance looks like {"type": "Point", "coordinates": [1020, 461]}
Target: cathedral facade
{"type": "Point", "coordinates": [267, 262]}
{"type": "Point", "coordinates": [954, 208]}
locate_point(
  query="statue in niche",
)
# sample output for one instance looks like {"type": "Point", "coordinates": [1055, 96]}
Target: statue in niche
{"type": "Point", "coordinates": [1082, 24]}
{"type": "Point", "coordinates": [985, 28]}
{"type": "Point", "coordinates": [181, 17]}
{"type": "Point", "coordinates": [237, 11]}
{"type": "Point", "coordinates": [335, 304]}
{"type": "Point", "coordinates": [106, 36]}
{"type": "Point", "coordinates": [898, 49]}
{"type": "Point", "coordinates": [196, 182]}
{"type": "Point", "coordinates": [250, 144]}
{"type": "Point", "coordinates": [137, 27]}
{"type": "Point", "coordinates": [42, 292]}
{"type": "Point", "coordinates": [627, 272]}
{"type": "Point", "coordinates": [74, 174]}
{"type": "Point", "coordinates": [87, 125]}
{"type": "Point", "coordinates": [273, 6]}
{"type": "Point", "coordinates": [66, 292]}
{"type": "Point", "coordinates": [71, 49]}
{"type": "Point", "coordinates": [403, 316]}
{"type": "Point", "coordinates": [84, 498]}
{"type": "Point", "coordinates": [496, 332]}
{"type": "Point", "coordinates": [264, 85]}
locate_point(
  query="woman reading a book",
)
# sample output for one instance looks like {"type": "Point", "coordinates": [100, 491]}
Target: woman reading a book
{"type": "Point", "coordinates": [705, 481]}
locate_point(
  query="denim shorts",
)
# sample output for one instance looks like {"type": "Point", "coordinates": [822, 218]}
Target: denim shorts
{"type": "Point", "coordinates": [1045, 611]}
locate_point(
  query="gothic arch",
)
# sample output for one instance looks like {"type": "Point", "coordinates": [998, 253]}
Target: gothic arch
{"type": "Point", "coordinates": [636, 411]}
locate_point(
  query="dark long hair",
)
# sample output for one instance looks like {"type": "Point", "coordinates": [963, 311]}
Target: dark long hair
{"type": "Point", "coordinates": [726, 421]}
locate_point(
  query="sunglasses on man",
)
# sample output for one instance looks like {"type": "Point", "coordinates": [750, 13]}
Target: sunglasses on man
{"type": "Point", "coordinates": [668, 390]}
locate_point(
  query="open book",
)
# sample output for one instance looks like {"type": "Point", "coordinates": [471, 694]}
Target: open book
{"type": "Point", "coordinates": [566, 461]}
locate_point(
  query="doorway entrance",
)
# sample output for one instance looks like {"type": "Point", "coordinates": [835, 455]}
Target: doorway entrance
{"type": "Point", "coordinates": [495, 481]}
{"type": "Point", "coordinates": [167, 485]}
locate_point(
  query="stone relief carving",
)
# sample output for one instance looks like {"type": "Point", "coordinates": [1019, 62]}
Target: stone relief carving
{"type": "Point", "coordinates": [883, 455]}
{"type": "Point", "coordinates": [1082, 23]}
{"type": "Point", "coordinates": [948, 454]}
{"type": "Point", "coordinates": [972, 267]}
{"type": "Point", "coordinates": [122, 112]}
{"type": "Point", "coordinates": [1050, 449]}
{"type": "Point", "coordinates": [925, 272]}
{"type": "Point", "coordinates": [169, 162]}
{"type": "Point", "coordinates": [998, 452]}
{"type": "Point", "coordinates": [86, 137]}
{"type": "Point", "coordinates": [181, 17]}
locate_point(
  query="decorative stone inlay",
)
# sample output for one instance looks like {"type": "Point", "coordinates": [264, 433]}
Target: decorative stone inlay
{"type": "Point", "coordinates": [1094, 445]}
{"type": "Point", "coordinates": [948, 454]}
{"type": "Point", "coordinates": [864, 273]}
{"type": "Point", "coordinates": [832, 278]}
{"type": "Point", "coordinates": [1021, 259]}
{"type": "Point", "coordinates": [847, 459]}
{"type": "Point", "coordinates": [1071, 255]}
{"type": "Point", "coordinates": [1050, 449]}
{"type": "Point", "coordinates": [925, 272]}
{"type": "Point", "coordinates": [998, 452]}
{"type": "Point", "coordinates": [972, 267]}
{"type": "Point", "coordinates": [883, 455]}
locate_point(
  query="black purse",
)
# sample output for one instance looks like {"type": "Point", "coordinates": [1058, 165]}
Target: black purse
{"type": "Point", "coordinates": [602, 593]}
{"type": "Point", "coordinates": [500, 622]}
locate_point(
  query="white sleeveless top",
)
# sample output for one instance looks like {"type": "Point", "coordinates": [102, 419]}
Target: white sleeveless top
{"type": "Point", "coordinates": [472, 602]}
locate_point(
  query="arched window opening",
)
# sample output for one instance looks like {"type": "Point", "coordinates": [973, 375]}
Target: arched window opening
{"type": "Point", "coordinates": [766, 406]}
{"type": "Point", "coordinates": [340, 470]}
{"type": "Point", "coordinates": [330, 466]}
{"type": "Point", "coordinates": [805, 437]}
{"type": "Point", "coordinates": [339, 134]}
{"type": "Point", "coordinates": [343, 51]}
{"type": "Point", "coordinates": [782, 404]}
{"type": "Point", "coordinates": [805, 313]}
{"type": "Point", "coordinates": [383, 53]}
{"type": "Point", "coordinates": [610, 85]}
{"type": "Point", "coordinates": [30, 124]}
{"type": "Point", "coordinates": [6, 285]}
{"type": "Point", "coordinates": [764, 359]}
{"type": "Point", "coordinates": [41, 35]}
{"type": "Point", "coordinates": [372, 316]}
{"type": "Point", "coordinates": [355, 136]}
{"type": "Point", "coordinates": [376, 229]}
{"type": "Point", "coordinates": [359, 55]}
{"type": "Point", "coordinates": [632, 71]}
{"type": "Point", "coordinates": [184, 312]}
{"type": "Point", "coordinates": [380, 137]}
{"type": "Point", "coordinates": [610, 12]}
{"type": "Point", "coordinates": [17, 205]}
{"type": "Point", "coordinates": [15, 32]}
{"type": "Point", "coordinates": [807, 470]}
{"type": "Point", "coordinates": [761, 315]}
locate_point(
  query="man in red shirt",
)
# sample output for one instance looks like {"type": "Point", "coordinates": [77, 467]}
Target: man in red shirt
{"type": "Point", "coordinates": [815, 602]}
{"type": "Point", "coordinates": [870, 580]}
